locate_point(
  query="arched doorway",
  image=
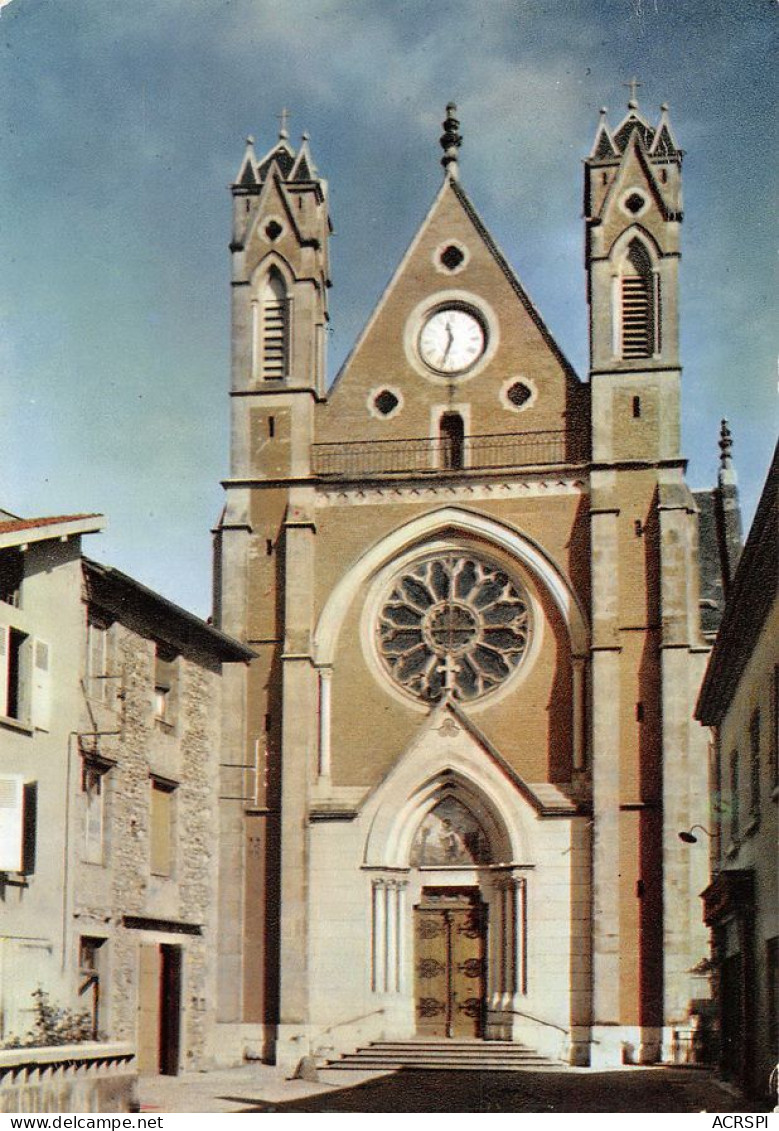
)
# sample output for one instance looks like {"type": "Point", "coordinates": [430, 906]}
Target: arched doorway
{"type": "Point", "coordinates": [450, 925]}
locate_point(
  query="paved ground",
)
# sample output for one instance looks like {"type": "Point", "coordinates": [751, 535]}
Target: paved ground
{"type": "Point", "coordinates": [262, 1088]}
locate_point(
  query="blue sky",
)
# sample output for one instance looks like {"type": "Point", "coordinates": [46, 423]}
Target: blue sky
{"type": "Point", "coordinates": [122, 124]}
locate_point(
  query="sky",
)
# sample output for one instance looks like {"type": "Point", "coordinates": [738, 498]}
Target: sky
{"type": "Point", "coordinates": [122, 126]}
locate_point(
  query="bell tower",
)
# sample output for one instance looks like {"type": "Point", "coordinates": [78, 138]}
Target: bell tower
{"type": "Point", "coordinates": [279, 282]}
{"type": "Point", "coordinates": [280, 276]}
{"type": "Point", "coordinates": [633, 211]}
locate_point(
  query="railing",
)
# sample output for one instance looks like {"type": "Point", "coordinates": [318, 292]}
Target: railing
{"type": "Point", "coordinates": [436, 456]}
{"type": "Point", "coordinates": [84, 1077]}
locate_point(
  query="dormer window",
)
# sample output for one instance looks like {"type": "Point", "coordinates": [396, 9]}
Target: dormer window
{"type": "Point", "coordinates": [638, 304]}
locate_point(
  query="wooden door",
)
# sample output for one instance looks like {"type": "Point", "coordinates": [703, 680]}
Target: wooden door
{"type": "Point", "coordinates": [159, 1010]}
{"type": "Point", "coordinates": [149, 969]}
{"type": "Point", "coordinates": [449, 944]}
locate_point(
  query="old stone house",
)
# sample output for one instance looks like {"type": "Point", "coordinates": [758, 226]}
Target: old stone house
{"type": "Point", "coordinates": [472, 582]}
{"type": "Point", "coordinates": [740, 701]}
{"type": "Point", "coordinates": [110, 744]}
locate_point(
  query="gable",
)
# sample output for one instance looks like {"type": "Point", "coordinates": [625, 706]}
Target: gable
{"type": "Point", "coordinates": [514, 379]}
{"type": "Point", "coordinates": [634, 174]}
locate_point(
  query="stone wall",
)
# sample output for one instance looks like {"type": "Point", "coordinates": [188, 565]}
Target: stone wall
{"type": "Point", "coordinates": [177, 909]}
{"type": "Point", "coordinates": [82, 1078]}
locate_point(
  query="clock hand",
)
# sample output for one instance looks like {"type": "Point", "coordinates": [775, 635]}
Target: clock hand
{"type": "Point", "coordinates": [449, 342]}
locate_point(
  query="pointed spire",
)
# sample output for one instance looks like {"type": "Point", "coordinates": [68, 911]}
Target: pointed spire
{"type": "Point", "coordinates": [727, 472]}
{"type": "Point", "coordinates": [451, 141]}
{"type": "Point", "coordinates": [603, 145]}
{"type": "Point", "coordinates": [728, 508]}
{"type": "Point", "coordinates": [248, 167]}
{"type": "Point", "coordinates": [664, 144]}
{"type": "Point", "coordinates": [304, 168]}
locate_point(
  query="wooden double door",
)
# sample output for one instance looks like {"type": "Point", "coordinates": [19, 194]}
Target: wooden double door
{"type": "Point", "coordinates": [449, 962]}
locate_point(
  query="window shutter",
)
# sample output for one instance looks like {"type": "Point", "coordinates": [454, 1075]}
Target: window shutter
{"type": "Point", "coordinates": [4, 631]}
{"type": "Point", "coordinates": [93, 825]}
{"type": "Point", "coordinates": [41, 686]}
{"type": "Point", "coordinates": [11, 822]}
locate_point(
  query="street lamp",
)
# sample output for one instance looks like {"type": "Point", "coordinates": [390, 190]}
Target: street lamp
{"type": "Point", "coordinates": [689, 836]}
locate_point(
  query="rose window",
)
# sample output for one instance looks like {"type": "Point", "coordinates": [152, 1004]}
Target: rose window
{"type": "Point", "coordinates": [453, 624]}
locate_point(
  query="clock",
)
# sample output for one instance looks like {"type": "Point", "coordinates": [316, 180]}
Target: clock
{"type": "Point", "coordinates": [452, 340]}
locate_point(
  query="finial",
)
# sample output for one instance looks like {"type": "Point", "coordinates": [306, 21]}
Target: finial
{"type": "Point", "coordinates": [250, 140]}
{"type": "Point", "coordinates": [283, 132]}
{"type": "Point", "coordinates": [632, 87]}
{"type": "Point", "coordinates": [727, 473]}
{"type": "Point", "coordinates": [305, 136]}
{"type": "Point", "coordinates": [725, 444]}
{"type": "Point", "coordinates": [664, 107]}
{"type": "Point", "coordinates": [451, 141]}
{"type": "Point", "coordinates": [604, 111]}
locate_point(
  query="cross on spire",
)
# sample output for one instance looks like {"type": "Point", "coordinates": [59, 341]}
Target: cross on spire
{"type": "Point", "coordinates": [632, 87]}
{"type": "Point", "coordinates": [283, 118]}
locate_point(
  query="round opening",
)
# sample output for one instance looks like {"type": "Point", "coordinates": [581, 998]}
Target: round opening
{"type": "Point", "coordinates": [385, 402]}
{"type": "Point", "coordinates": [451, 257]}
{"type": "Point", "coordinates": [273, 230]}
{"type": "Point", "coordinates": [518, 394]}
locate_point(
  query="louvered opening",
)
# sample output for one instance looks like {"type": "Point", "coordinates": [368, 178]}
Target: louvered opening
{"type": "Point", "coordinates": [638, 313]}
{"type": "Point", "coordinates": [275, 329]}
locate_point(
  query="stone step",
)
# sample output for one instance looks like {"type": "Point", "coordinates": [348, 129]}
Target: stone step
{"type": "Point", "coordinates": [358, 1065]}
{"type": "Point", "coordinates": [451, 1055]}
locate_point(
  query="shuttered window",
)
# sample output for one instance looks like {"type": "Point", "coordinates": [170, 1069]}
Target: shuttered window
{"type": "Point", "coordinates": [161, 838]}
{"type": "Point", "coordinates": [11, 822]}
{"type": "Point", "coordinates": [638, 304]}
{"type": "Point", "coordinates": [275, 328]}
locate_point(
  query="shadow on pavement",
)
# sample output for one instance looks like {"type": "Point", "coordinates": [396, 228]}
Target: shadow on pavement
{"type": "Point", "coordinates": [647, 1090]}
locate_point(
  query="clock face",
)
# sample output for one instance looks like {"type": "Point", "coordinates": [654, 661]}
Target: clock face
{"type": "Point", "coordinates": [451, 340]}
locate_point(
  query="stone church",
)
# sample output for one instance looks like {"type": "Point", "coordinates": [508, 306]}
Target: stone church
{"type": "Point", "coordinates": [457, 770]}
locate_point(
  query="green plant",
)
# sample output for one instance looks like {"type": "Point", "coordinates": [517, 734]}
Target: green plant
{"type": "Point", "coordinates": [54, 1025]}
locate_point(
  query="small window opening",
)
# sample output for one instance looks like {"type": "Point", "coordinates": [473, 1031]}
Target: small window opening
{"type": "Point", "coordinates": [273, 230]}
{"type": "Point", "coordinates": [452, 440]}
{"type": "Point", "coordinates": [452, 257]}
{"type": "Point", "coordinates": [271, 426]}
{"type": "Point", "coordinates": [165, 677]}
{"type": "Point", "coordinates": [11, 574]}
{"type": "Point", "coordinates": [664, 176]}
{"type": "Point", "coordinates": [639, 712]}
{"type": "Point", "coordinates": [268, 721]}
{"type": "Point", "coordinates": [248, 205]}
{"type": "Point", "coordinates": [604, 178]}
{"type": "Point", "coordinates": [16, 698]}
{"type": "Point", "coordinates": [518, 394]}
{"type": "Point", "coordinates": [89, 963]}
{"type": "Point", "coordinates": [635, 202]}
{"type": "Point", "coordinates": [385, 402]}
{"type": "Point", "coordinates": [269, 547]}
{"type": "Point", "coordinates": [636, 407]}
{"type": "Point", "coordinates": [638, 527]}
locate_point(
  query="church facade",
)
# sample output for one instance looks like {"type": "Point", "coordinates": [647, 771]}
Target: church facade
{"type": "Point", "coordinates": [457, 769]}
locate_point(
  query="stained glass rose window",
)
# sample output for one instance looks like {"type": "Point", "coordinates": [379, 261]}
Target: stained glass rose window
{"type": "Point", "coordinates": [453, 623]}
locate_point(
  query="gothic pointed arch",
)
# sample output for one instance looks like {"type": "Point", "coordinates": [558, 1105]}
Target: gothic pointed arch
{"type": "Point", "coordinates": [637, 298]}
{"type": "Point", "coordinates": [421, 532]}
{"type": "Point", "coordinates": [485, 814]}
{"type": "Point", "coordinates": [272, 310]}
